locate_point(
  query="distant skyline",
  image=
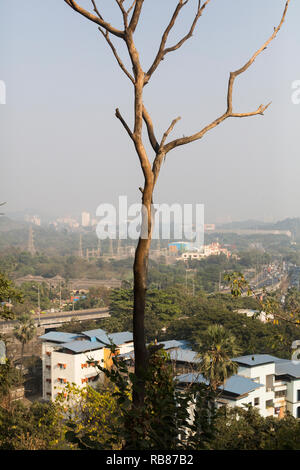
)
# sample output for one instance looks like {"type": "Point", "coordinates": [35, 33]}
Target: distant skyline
{"type": "Point", "coordinates": [64, 152]}
{"type": "Point", "coordinates": [50, 217]}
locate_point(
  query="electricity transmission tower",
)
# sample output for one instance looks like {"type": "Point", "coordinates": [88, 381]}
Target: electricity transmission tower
{"type": "Point", "coordinates": [31, 248]}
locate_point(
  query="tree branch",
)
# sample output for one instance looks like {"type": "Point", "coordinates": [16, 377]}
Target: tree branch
{"type": "Point", "coordinates": [125, 125]}
{"type": "Point", "coordinates": [170, 128]}
{"type": "Point", "coordinates": [260, 110]}
{"type": "Point", "coordinates": [162, 50]}
{"type": "Point", "coordinates": [148, 121]}
{"type": "Point", "coordinates": [94, 18]}
{"type": "Point", "coordinates": [124, 13]}
{"type": "Point", "coordinates": [131, 7]}
{"type": "Point", "coordinates": [135, 15]}
{"type": "Point", "coordinates": [122, 66]}
{"type": "Point", "coordinates": [229, 113]}
{"type": "Point", "coordinates": [243, 69]}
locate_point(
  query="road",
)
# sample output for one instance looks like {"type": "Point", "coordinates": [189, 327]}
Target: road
{"type": "Point", "coordinates": [58, 318]}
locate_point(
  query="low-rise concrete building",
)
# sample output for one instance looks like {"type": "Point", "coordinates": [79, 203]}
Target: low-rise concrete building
{"type": "Point", "coordinates": [268, 383]}
{"type": "Point", "coordinates": [73, 358]}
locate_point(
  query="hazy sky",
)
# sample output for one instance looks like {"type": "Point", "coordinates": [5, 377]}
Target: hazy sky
{"type": "Point", "coordinates": [63, 150]}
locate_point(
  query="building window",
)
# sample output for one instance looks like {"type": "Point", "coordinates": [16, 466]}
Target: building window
{"type": "Point", "coordinates": [282, 393]}
{"type": "Point", "coordinates": [62, 381]}
{"type": "Point", "coordinates": [256, 401]}
{"type": "Point", "coordinates": [298, 395]}
{"type": "Point", "coordinates": [269, 382]}
{"type": "Point", "coordinates": [269, 404]}
{"type": "Point", "coordinates": [298, 412]}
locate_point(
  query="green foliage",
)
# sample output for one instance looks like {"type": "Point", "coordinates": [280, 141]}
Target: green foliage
{"type": "Point", "coordinates": [8, 293]}
{"type": "Point", "coordinates": [245, 429]}
{"type": "Point", "coordinates": [164, 416]}
{"type": "Point", "coordinates": [31, 291]}
{"type": "Point", "coordinates": [37, 427]}
{"type": "Point", "coordinates": [215, 352]}
{"type": "Point", "coordinates": [92, 417]}
{"type": "Point", "coordinates": [96, 297]}
{"type": "Point", "coordinates": [24, 332]}
{"type": "Point", "coordinates": [162, 306]}
{"type": "Point", "coordinates": [9, 378]}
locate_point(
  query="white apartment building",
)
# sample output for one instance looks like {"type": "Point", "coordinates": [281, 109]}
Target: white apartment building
{"type": "Point", "coordinates": [73, 358]}
{"type": "Point", "coordinates": [214, 249]}
{"type": "Point", "coordinates": [261, 316]}
{"type": "Point", "coordinates": [269, 383]}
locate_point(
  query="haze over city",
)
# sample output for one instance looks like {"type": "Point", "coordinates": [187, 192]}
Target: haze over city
{"type": "Point", "coordinates": [64, 151]}
{"type": "Point", "coordinates": [149, 228]}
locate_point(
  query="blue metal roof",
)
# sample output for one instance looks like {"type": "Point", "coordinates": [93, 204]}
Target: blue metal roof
{"type": "Point", "coordinates": [286, 367]}
{"type": "Point", "coordinates": [240, 385]}
{"type": "Point", "coordinates": [184, 355]}
{"type": "Point", "coordinates": [236, 384]}
{"type": "Point", "coordinates": [60, 337]}
{"type": "Point", "coordinates": [107, 338]}
{"type": "Point", "coordinates": [255, 359]}
{"type": "Point", "coordinates": [121, 338]}
{"type": "Point", "coordinates": [94, 333]}
{"type": "Point", "coordinates": [95, 339]}
{"type": "Point", "coordinates": [82, 346]}
{"type": "Point", "coordinates": [174, 343]}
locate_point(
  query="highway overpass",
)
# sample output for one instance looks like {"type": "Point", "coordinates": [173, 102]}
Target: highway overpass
{"type": "Point", "coordinates": [54, 320]}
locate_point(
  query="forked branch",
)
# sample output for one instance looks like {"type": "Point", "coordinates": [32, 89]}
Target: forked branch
{"type": "Point", "coordinates": [229, 112]}
{"type": "Point", "coordinates": [162, 51]}
{"type": "Point", "coordinates": [94, 18]}
{"type": "Point", "coordinates": [105, 34]}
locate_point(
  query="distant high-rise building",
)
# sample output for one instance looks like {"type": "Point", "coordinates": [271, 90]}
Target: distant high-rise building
{"type": "Point", "coordinates": [72, 223]}
{"type": "Point", "coordinates": [85, 219]}
{"type": "Point", "coordinates": [33, 219]}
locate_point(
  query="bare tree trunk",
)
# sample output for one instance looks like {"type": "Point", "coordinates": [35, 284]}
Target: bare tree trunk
{"type": "Point", "coordinates": [140, 273]}
{"type": "Point", "coordinates": [139, 78]}
{"type": "Point", "coordinates": [140, 286]}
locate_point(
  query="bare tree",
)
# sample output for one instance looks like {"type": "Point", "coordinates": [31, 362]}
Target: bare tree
{"type": "Point", "coordinates": [131, 14]}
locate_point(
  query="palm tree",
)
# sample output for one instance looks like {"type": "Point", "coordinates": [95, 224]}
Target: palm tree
{"type": "Point", "coordinates": [216, 350]}
{"type": "Point", "coordinates": [24, 332]}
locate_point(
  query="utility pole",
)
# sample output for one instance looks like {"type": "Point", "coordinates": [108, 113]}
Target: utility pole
{"type": "Point", "coordinates": [39, 303]}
